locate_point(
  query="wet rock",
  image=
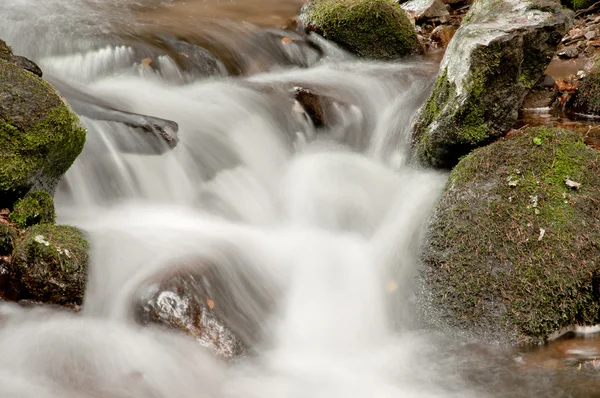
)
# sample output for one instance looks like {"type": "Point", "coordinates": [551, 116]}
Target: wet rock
{"type": "Point", "coordinates": [274, 47]}
{"type": "Point", "coordinates": [22, 62]}
{"type": "Point", "coordinates": [568, 53]}
{"type": "Point", "coordinates": [35, 208]}
{"type": "Point", "coordinates": [425, 9]}
{"type": "Point", "coordinates": [321, 109]}
{"type": "Point", "coordinates": [443, 34]}
{"type": "Point", "coordinates": [51, 263]}
{"type": "Point", "coordinates": [542, 95]}
{"type": "Point", "coordinates": [512, 252]}
{"type": "Point", "coordinates": [40, 136]}
{"type": "Point", "coordinates": [214, 307]}
{"type": "Point", "coordinates": [500, 52]}
{"type": "Point", "coordinates": [159, 131]}
{"type": "Point", "coordinates": [191, 58]}
{"type": "Point", "coordinates": [377, 29]}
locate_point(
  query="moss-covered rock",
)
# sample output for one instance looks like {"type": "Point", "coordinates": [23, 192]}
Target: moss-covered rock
{"type": "Point", "coordinates": [587, 99]}
{"type": "Point", "coordinates": [500, 51]}
{"type": "Point", "coordinates": [35, 208]}
{"type": "Point", "coordinates": [8, 235]}
{"type": "Point", "coordinates": [40, 136]}
{"type": "Point", "coordinates": [513, 250]}
{"type": "Point", "coordinates": [577, 4]}
{"type": "Point", "coordinates": [377, 29]}
{"type": "Point", "coordinates": [51, 261]}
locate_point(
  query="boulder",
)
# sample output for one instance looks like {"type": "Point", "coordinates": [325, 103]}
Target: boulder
{"type": "Point", "coordinates": [224, 310]}
{"type": "Point", "coordinates": [8, 235]}
{"type": "Point", "coordinates": [40, 136]}
{"type": "Point", "coordinates": [586, 100]}
{"type": "Point", "coordinates": [512, 253]}
{"type": "Point", "coordinates": [376, 29]}
{"type": "Point", "coordinates": [51, 263]}
{"type": "Point", "coordinates": [35, 208]}
{"type": "Point", "coordinates": [500, 51]}
{"type": "Point", "coordinates": [425, 9]}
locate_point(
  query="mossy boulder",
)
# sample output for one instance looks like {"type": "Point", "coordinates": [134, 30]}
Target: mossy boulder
{"type": "Point", "coordinates": [35, 208]}
{"type": "Point", "coordinates": [8, 235]}
{"type": "Point", "coordinates": [376, 29]}
{"type": "Point", "coordinates": [40, 136]}
{"type": "Point", "coordinates": [51, 261]}
{"type": "Point", "coordinates": [500, 51]}
{"type": "Point", "coordinates": [513, 250]}
{"type": "Point", "coordinates": [587, 99]}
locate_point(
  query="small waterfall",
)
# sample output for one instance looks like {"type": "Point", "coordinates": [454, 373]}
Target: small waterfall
{"type": "Point", "coordinates": [314, 230]}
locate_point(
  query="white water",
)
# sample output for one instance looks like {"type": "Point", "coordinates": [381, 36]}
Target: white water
{"type": "Point", "coordinates": [328, 225]}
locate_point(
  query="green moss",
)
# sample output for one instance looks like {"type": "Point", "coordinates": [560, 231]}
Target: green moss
{"type": "Point", "coordinates": [369, 28]}
{"type": "Point", "coordinates": [8, 235]}
{"type": "Point", "coordinates": [52, 260]}
{"type": "Point", "coordinates": [513, 247]}
{"type": "Point", "coordinates": [5, 51]}
{"type": "Point", "coordinates": [577, 4]}
{"type": "Point", "coordinates": [35, 208]}
{"type": "Point", "coordinates": [587, 98]}
{"type": "Point", "coordinates": [41, 136]}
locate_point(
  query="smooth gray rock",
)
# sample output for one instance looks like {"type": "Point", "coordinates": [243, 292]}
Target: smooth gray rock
{"type": "Point", "coordinates": [425, 9]}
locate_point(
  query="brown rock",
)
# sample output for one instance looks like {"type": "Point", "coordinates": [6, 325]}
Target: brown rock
{"type": "Point", "coordinates": [443, 34]}
{"type": "Point", "coordinates": [218, 310]}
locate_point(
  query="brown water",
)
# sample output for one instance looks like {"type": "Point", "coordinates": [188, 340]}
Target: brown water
{"type": "Point", "coordinates": [190, 14]}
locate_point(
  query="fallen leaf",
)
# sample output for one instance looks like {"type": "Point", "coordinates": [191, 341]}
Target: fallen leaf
{"type": "Point", "coordinates": [287, 40]}
{"type": "Point", "coordinates": [210, 303]}
{"type": "Point", "coordinates": [146, 62]}
{"type": "Point", "coordinates": [184, 54]}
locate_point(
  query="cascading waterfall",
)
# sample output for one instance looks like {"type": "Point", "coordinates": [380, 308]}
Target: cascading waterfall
{"type": "Point", "coordinates": [325, 223]}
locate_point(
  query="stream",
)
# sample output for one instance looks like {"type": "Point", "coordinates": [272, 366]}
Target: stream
{"type": "Point", "coordinates": [325, 221]}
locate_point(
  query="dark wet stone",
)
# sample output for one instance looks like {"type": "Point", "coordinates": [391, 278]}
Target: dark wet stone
{"type": "Point", "coordinates": [202, 303]}
{"type": "Point", "coordinates": [51, 263]}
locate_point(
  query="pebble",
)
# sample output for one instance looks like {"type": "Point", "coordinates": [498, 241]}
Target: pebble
{"type": "Point", "coordinates": [568, 53]}
{"type": "Point", "coordinates": [590, 35]}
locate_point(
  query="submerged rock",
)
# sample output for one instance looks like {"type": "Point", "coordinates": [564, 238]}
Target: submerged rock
{"type": "Point", "coordinates": [40, 136]}
{"type": "Point", "coordinates": [377, 29]}
{"type": "Point", "coordinates": [51, 263]}
{"type": "Point", "coordinates": [500, 51]}
{"type": "Point", "coordinates": [35, 208]}
{"type": "Point", "coordinates": [512, 253]}
{"type": "Point", "coordinates": [217, 309]}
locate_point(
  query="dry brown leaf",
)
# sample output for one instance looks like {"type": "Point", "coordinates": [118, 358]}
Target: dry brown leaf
{"type": "Point", "coordinates": [146, 62]}
{"type": "Point", "coordinates": [184, 54]}
{"type": "Point", "coordinates": [287, 40]}
{"type": "Point", "coordinates": [210, 303]}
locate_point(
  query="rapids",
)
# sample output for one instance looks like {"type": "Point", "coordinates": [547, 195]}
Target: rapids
{"type": "Point", "coordinates": [327, 222]}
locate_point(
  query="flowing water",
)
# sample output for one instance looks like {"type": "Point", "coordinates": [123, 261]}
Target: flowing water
{"type": "Point", "coordinates": [326, 221]}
